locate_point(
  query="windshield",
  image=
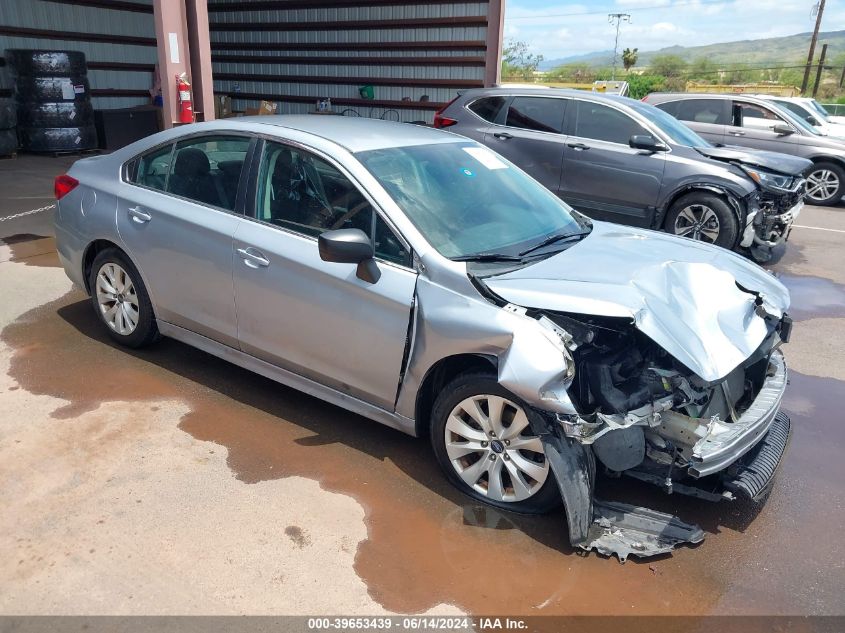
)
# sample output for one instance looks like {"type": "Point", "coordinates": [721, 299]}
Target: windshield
{"type": "Point", "coordinates": [818, 107]}
{"type": "Point", "coordinates": [467, 200]}
{"type": "Point", "coordinates": [797, 121]}
{"type": "Point", "coordinates": [677, 132]}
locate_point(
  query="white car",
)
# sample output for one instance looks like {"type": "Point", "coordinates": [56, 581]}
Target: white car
{"type": "Point", "coordinates": [813, 112]}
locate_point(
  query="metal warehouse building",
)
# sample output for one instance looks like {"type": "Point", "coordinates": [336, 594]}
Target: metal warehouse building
{"type": "Point", "coordinates": [415, 54]}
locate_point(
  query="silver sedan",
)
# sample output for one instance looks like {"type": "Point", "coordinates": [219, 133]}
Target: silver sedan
{"type": "Point", "coordinates": [419, 279]}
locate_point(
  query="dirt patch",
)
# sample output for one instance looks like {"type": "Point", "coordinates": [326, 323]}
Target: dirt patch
{"type": "Point", "coordinates": [298, 536]}
{"type": "Point", "coordinates": [427, 544]}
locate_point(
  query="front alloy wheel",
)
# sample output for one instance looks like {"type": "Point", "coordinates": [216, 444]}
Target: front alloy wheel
{"type": "Point", "coordinates": [492, 449]}
{"type": "Point", "coordinates": [483, 438]}
{"type": "Point", "coordinates": [825, 184]}
{"type": "Point", "coordinates": [699, 222]}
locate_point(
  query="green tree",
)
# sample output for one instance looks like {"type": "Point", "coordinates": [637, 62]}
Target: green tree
{"type": "Point", "coordinates": [641, 85]}
{"type": "Point", "coordinates": [702, 69]}
{"type": "Point", "coordinates": [629, 58]}
{"type": "Point", "coordinates": [667, 65]}
{"type": "Point", "coordinates": [518, 60]}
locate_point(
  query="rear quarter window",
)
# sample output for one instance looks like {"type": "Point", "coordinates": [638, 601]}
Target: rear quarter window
{"type": "Point", "coordinates": [151, 170]}
{"type": "Point", "coordinates": [488, 108]}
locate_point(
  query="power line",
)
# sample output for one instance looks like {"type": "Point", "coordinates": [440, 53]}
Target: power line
{"type": "Point", "coordinates": [645, 8]}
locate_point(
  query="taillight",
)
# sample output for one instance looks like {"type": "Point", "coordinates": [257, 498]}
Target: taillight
{"type": "Point", "coordinates": [441, 121]}
{"type": "Point", "coordinates": [63, 185]}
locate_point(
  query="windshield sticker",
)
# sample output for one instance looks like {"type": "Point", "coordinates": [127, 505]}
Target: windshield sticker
{"type": "Point", "coordinates": [467, 172]}
{"type": "Point", "coordinates": [485, 157]}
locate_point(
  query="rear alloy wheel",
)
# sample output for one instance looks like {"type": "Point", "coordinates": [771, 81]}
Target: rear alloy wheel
{"type": "Point", "coordinates": [121, 300]}
{"type": "Point", "coordinates": [825, 182]}
{"type": "Point", "coordinates": [704, 217]}
{"type": "Point", "coordinates": [484, 442]}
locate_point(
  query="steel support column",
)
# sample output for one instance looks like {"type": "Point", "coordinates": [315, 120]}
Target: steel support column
{"type": "Point", "coordinates": [200, 44]}
{"type": "Point", "coordinates": [173, 53]}
{"type": "Point", "coordinates": [495, 33]}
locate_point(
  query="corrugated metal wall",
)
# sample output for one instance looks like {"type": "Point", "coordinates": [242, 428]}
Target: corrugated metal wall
{"type": "Point", "coordinates": [118, 44]}
{"type": "Point", "coordinates": [415, 54]}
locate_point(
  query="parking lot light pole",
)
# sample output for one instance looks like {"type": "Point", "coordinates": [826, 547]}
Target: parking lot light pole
{"type": "Point", "coordinates": [618, 19]}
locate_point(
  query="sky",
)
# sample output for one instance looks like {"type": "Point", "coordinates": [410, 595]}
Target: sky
{"type": "Point", "coordinates": [558, 29]}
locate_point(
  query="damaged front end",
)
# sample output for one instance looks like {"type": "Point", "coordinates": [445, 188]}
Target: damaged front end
{"type": "Point", "coordinates": [781, 200]}
{"type": "Point", "coordinates": [645, 415]}
{"type": "Point", "coordinates": [675, 377]}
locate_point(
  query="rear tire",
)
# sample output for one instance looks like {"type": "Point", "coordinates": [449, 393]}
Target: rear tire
{"type": "Point", "coordinates": [704, 217]}
{"type": "Point", "coordinates": [472, 456]}
{"type": "Point", "coordinates": [825, 184]}
{"type": "Point", "coordinates": [120, 299]}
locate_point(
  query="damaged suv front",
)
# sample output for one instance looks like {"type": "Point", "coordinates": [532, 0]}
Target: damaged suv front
{"type": "Point", "coordinates": [781, 190]}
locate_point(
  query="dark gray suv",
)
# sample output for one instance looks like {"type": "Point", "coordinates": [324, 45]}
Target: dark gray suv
{"type": "Point", "coordinates": [622, 160]}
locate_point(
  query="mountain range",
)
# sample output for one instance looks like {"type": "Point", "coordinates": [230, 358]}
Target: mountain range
{"type": "Point", "coordinates": [771, 50]}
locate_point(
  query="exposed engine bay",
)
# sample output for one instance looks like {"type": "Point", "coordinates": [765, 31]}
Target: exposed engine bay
{"type": "Point", "coordinates": [645, 415]}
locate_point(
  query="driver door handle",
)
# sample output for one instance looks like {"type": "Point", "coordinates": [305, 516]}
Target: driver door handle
{"type": "Point", "coordinates": [139, 216]}
{"type": "Point", "coordinates": [503, 135]}
{"type": "Point", "coordinates": [253, 258]}
{"type": "Point", "coordinates": [578, 147]}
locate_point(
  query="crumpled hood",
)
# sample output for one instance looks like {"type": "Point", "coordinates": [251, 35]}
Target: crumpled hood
{"type": "Point", "coordinates": [774, 161]}
{"type": "Point", "coordinates": [680, 293]}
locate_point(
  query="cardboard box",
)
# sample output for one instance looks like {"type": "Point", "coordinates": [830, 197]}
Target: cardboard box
{"type": "Point", "coordinates": [264, 108]}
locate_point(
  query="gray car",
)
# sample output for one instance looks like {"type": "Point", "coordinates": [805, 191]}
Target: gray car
{"type": "Point", "coordinates": [762, 124]}
{"type": "Point", "coordinates": [421, 280]}
{"type": "Point", "coordinates": [618, 159]}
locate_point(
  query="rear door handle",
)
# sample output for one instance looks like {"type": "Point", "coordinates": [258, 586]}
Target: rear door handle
{"type": "Point", "coordinates": [253, 257]}
{"type": "Point", "coordinates": [737, 133]}
{"type": "Point", "coordinates": [578, 147]}
{"type": "Point", "coordinates": [502, 135]}
{"type": "Point", "coordinates": [139, 216]}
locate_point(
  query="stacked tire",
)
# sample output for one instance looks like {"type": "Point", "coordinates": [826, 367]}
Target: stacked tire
{"type": "Point", "coordinates": [53, 100]}
{"type": "Point", "coordinates": [8, 121]}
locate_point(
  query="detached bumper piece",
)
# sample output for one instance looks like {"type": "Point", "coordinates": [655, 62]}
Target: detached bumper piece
{"type": "Point", "coordinates": [754, 475]}
{"type": "Point", "coordinates": [626, 530]}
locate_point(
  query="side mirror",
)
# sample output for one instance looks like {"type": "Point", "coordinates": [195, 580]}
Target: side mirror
{"type": "Point", "coordinates": [783, 129]}
{"type": "Point", "coordinates": [350, 246]}
{"type": "Point", "coordinates": [813, 120]}
{"type": "Point", "coordinates": [647, 142]}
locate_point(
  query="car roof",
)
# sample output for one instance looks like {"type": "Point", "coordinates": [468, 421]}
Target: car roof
{"type": "Point", "coordinates": [545, 91]}
{"type": "Point", "coordinates": [357, 134]}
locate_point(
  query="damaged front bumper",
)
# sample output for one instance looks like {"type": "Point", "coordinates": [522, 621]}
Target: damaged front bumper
{"type": "Point", "coordinates": [772, 224]}
{"type": "Point", "coordinates": [742, 454]}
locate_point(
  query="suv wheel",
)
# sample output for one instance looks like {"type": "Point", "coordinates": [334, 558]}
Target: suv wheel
{"type": "Point", "coordinates": [825, 183]}
{"type": "Point", "coordinates": [705, 217]}
{"type": "Point", "coordinates": [121, 300]}
{"type": "Point", "coordinates": [483, 441]}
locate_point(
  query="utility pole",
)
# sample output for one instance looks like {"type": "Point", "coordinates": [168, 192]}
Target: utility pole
{"type": "Point", "coordinates": [819, 10]}
{"type": "Point", "coordinates": [618, 19]}
{"type": "Point", "coordinates": [819, 71]}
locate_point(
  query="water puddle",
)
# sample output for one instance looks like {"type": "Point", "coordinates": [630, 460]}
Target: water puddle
{"type": "Point", "coordinates": [814, 297]}
{"type": "Point", "coordinates": [29, 249]}
{"type": "Point", "coordinates": [428, 544]}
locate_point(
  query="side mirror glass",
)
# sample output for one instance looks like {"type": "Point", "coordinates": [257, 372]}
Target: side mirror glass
{"type": "Point", "coordinates": [647, 142]}
{"type": "Point", "coordinates": [783, 129]}
{"type": "Point", "coordinates": [350, 246]}
{"type": "Point", "coordinates": [813, 120]}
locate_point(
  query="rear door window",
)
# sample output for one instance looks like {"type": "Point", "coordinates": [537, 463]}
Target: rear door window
{"type": "Point", "coordinates": [713, 111]}
{"type": "Point", "coordinates": [543, 114]}
{"type": "Point", "coordinates": [488, 108]}
{"type": "Point", "coordinates": [603, 123]}
{"type": "Point", "coordinates": [208, 169]}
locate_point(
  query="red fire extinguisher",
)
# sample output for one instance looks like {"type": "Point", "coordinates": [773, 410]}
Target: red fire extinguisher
{"type": "Point", "coordinates": [183, 92]}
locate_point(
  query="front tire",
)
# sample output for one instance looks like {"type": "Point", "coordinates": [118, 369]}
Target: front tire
{"type": "Point", "coordinates": [825, 184]}
{"type": "Point", "coordinates": [483, 441]}
{"type": "Point", "coordinates": [120, 299]}
{"type": "Point", "coordinates": [704, 217]}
